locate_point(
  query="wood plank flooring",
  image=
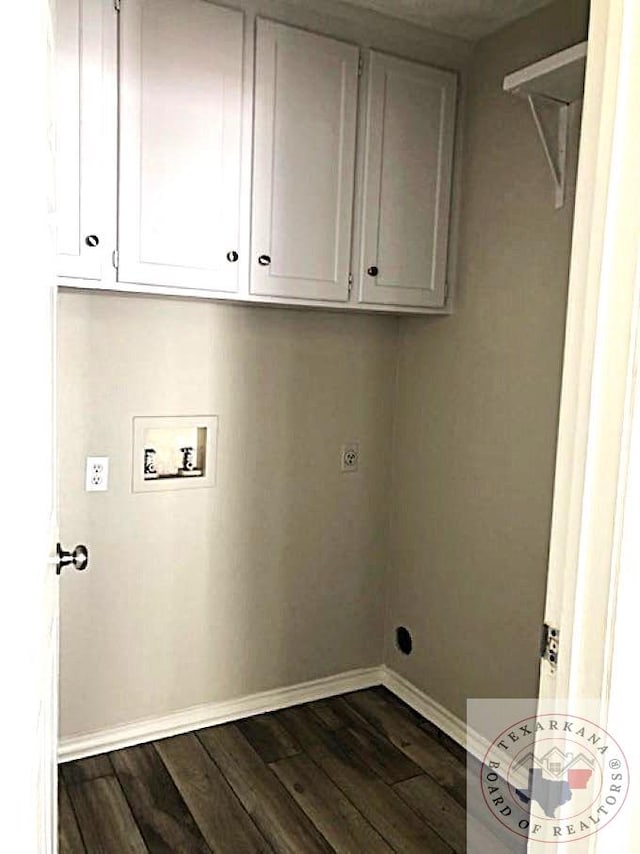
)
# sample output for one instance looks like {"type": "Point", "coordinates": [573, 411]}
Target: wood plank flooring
{"type": "Point", "coordinates": [360, 774]}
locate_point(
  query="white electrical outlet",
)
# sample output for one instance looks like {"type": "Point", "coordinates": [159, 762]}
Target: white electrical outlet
{"type": "Point", "coordinates": [350, 456]}
{"type": "Point", "coordinates": [97, 474]}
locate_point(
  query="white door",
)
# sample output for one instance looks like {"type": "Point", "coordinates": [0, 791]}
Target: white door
{"type": "Point", "coordinates": [407, 182]}
{"type": "Point", "coordinates": [180, 136]}
{"type": "Point", "coordinates": [28, 603]}
{"type": "Point", "coordinates": [86, 144]}
{"type": "Point", "coordinates": [594, 550]}
{"type": "Point", "coordinates": [596, 382]}
{"type": "Point", "coordinates": [304, 152]}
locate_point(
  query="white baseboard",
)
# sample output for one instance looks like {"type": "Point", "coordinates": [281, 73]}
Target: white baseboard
{"type": "Point", "coordinates": [426, 706]}
{"type": "Point", "coordinates": [210, 714]}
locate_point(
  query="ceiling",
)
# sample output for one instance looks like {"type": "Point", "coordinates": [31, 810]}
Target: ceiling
{"type": "Point", "coordinates": [467, 19]}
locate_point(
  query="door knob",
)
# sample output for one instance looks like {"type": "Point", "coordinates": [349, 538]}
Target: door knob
{"type": "Point", "coordinates": [264, 260]}
{"type": "Point", "coordinates": [92, 240]}
{"type": "Point", "coordinates": [372, 271]}
{"type": "Point", "coordinates": [232, 256]}
{"type": "Point", "coordinates": [78, 558]}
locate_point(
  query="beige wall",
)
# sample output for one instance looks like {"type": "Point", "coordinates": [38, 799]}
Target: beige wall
{"type": "Point", "coordinates": [273, 577]}
{"type": "Point", "coordinates": [277, 575]}
{"type": "Point", "coordinates": [477, 403]}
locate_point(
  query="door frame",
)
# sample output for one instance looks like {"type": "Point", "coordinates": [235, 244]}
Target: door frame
{"type": "Point", "coordinates": [29, 601]}
{"type": "Point", "coordinates": [599, 382]}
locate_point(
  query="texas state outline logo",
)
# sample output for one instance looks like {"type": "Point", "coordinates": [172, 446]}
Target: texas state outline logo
{"type": "Point", "coordinates": [554, 778]}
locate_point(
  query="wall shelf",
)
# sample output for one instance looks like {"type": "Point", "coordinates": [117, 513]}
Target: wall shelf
{"type": "Point", "coordinates": [550, 86]}
{"type": "Point", "coordinates": [559, 77]}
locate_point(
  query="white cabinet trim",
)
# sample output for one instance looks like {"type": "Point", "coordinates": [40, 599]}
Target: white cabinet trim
{"type": "Point", "coordinates": [253, 284]}
{"type": "Point", "coordinates": [86, 138]}
{"type": "Point", "coordinates": [378, 288]}
{"type": "Point", "coordinates": [276, 278]}
{"type": "Point", "coordinates": [211, 270]}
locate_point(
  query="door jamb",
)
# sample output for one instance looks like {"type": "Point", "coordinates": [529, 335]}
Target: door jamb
{"type": "Point", "coordinates": [599, 376]}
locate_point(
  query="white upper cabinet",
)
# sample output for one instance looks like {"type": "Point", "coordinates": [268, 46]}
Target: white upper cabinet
{"type": "Point", "coordinates": [180, 144]}
{"type": "Point", "coordinates": [407, 183]}
{"type": "Point", "coordinates": [86, 145]}
{"type": "Point", "coordinates": [306, 89]}
{"type": "Point", "coordinates": [176, 172]}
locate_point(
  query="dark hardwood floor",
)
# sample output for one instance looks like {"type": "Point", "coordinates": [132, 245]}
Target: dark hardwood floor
{"type": "Point", "coordinates": [357, 773]}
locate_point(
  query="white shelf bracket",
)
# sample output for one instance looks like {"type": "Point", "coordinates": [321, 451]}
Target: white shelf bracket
{"type": "Point", "coordinates": [555, 150]}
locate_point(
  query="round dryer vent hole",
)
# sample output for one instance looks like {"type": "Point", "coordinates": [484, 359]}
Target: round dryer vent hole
{"type": "Point", "coordinates": [403, 640]}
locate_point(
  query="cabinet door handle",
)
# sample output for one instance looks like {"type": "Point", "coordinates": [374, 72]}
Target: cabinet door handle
{"type": "Point", "coordinates": [372, 271]}
{"type": "Point", "coordinates": [264, 260]}
{"type": "Point", "coordinates": [92, 240]}
{"type": "Point", "coordinates": [232, 256]}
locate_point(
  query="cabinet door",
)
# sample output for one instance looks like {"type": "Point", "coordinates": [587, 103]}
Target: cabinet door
{"type": "Point", "coordinates": [86, 143]}
{"type": "Point", "coordinates": [407, 182]}
{"type": "Point", "coordinates": [180, 138]}
{"type": "Point", "coordinates": [305, 125]}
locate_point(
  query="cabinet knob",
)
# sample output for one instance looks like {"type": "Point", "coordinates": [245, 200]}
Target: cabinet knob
{"type": "Point", "coordinates": [372, 271]}
{"type": "Point", "coordinates": [264, 260]}
{"type": "Point", "coordinates": [92, 240]}
{"type": "Point", "coordinates": [232, 256]}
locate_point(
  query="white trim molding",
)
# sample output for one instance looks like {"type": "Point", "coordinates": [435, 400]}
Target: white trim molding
{"type": "Point", "coordinates": [211, 714]}
{"type": "Point", "coordinates": [436, 714]}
